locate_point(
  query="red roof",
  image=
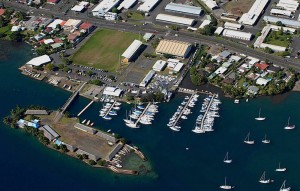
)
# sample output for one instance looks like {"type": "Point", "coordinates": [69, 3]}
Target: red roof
{"type": "Point", "coordinates": [85, 26]}
{"type": "Point", "coordinates": [2, 11]}
{"type": "Point", "coordinates": [57, 40]}
{"type": "Point", "coordinates": [53, 1]}
{"type": "Point", "coordinates": [261, 65]}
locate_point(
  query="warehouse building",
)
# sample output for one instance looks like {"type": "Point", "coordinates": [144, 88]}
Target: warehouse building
{"type": "Point", "coordinates": [175, 20]}
{"type": "Point", "coordinates": [290, 5]}
{"type": "Point", "coordinates": [237, 34]}
{"type": "Point", "coordinates": [279, 12]}
{"type": "Point", "coordinates": [286, 22]}
{"type": "Point", "coordinates": [112, 91]}
{"type": "Point", "coordinates": [254, 13]}
{"type": "Point", "coordinates": [131, 51]}
{"type": "Point", "coordinates": [105, 6]}
{"type": "Point", "coordinates": [148, 5]}
{"type": "Point", "coordinates": [219, 31]}
{"type": "Point", "coordinates": [233, 26]}
{"type": "Point", "coordinates": [159, 65]}
{"type": "Point", "coordinates": [147, 78]}
{"type": "Point", "coordinates": [204, 23]}
{"type": "Point", "coordinates": [211, 4]}
{"type": "Point", "coordinates": [184, 9]}
{"type": "Point", "coordinates": [174, 47]}
{"type": "Point", "coordinates": [49, 132]}
{"type": "Point", "coordinates": [127, 4]}
{"type": "Point", "coordinates": [39, 61]}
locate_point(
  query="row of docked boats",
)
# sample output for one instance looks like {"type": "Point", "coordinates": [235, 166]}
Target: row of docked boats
{"type": "Point", "coordinates": [117, 160]}
{"type": "Point", "coordinates": [210, 108]}
{"type": "Point", "coordinates": [87, 122]}
{"type": "Point", "coordinates": [110, 109]}
{"type": "Point", "coordinates": [141, 114]}
{"type": "Point", "coordinates": [182, 112]}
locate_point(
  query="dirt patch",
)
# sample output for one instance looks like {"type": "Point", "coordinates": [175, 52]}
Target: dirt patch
{"type": "Point", "coordinates": [238, 7]}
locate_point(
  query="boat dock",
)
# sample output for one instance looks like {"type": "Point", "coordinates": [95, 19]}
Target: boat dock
{"type": "Point", "coordinates": [184, 108]}
{"type": "Point", "coordinates": [83, 110]}
{"type": "Point", "coordinates": [189, 91]}
{"type": "Point", "coordinates": [142, 114]}
{"type": "Point", "coordinates": [110, 108]}
{"type": "Point", "coordinates": [138, 152]}
{"type": "Point", "coordinates": [207, 109]}
{"type": "Point", "coordinates": [122, 171]}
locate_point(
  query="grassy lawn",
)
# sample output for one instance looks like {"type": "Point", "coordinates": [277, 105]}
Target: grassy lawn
{"type": "Point", "coordinates": [4, 30]}
{"type": "Point", "coordinates": [278, 38]}
{"type": "Point", "coordinates": [238, 7]}
{"type": "Point", "coordinates": [135, 16]}
{"type": "Point", "coordinates": [102, 50]}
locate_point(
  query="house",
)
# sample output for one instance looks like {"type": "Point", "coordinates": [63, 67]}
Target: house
{"type": "Point", "coordinates": [34, 123]}
{"type": "Point", "coordinates": [228, 80]}
{"type": "Point", "coordinates": [210, 67]}
{"type": "Point", "coordinates": [86, 27]}
{"type": "Point", "coordinates": [253, 90]}
{"type": "Point", "coordinates": [262, 82]}
{"type": "Point", "coordinates": [252, 76]}
{"type": "Point", "coordinates": [262, 66]}
{"type": "Point", "coordinates": [2, 11]}
{"type": "Point", "coordinates": [73, 37]}
{"type": "Point", "coordinates": [273, 69]}
{"type": "Point", "coordinates": [225, 54]}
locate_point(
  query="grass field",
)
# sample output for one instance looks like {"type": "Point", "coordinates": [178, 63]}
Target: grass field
{"type": "Point", "coordinates": [238, 7]}
{"type": "Point", "coordinates": [102, 50]}
{"type": "Point", "coordinates": [279, 39]}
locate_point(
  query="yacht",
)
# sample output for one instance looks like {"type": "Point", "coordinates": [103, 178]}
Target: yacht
{"type": "Point", "coordinates": [112, 113]}
{"type": "Point", "coordinates": [183, 117]}
{"type": "Point", "coordinates": [283, 188]}
{"type": "Point", "coordinates": [236, 101]}
{"type": "Point", "coordinates": [132, 125]}
{"type": "Point", "coordinates": [106, 117]}
{"type": "Point", "coordinates": [263, 179]}
{"type": "Point", "coordinates": [175, 128]}
{"type": "Point", "coordinates": [259, 118]}
{"type": "Point", "coordinates": [247, 140]}
{"type": "Point", "coordinates": [226, 159]}
{"type": "Point", "coordinates": [265, 140]}
{"type": "Point", "coordinates": [289, 126]}
{"type": "Point", "coordinates": [226, 187]}
{"type": "Point", "coordinates": [280, 169]}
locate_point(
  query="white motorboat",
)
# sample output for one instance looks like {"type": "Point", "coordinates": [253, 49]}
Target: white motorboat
{"type": "Point", "coordinates": [107, 117]}
{"type": "Point", "coordinates": [247, 140]}
{"type": "Point", "coordinates": [175, 128]}
{"type": "Point", "coordinates": [226, 187]}
{"type": "Point", "coordinates": [236, 101]}
{"type": "Point", "coordinates": [259, 118]}
{"type": "Point", "coordinates": [263, 179]}
{"type": "Point", "coordinates": [265, 140]}
{"type": "Point", "coordinates": [132, 125]}
{"type": "Point", "coordinates": [289, 126]}
{"type": "Point", "coordinates": [87, 123]}
{"type": "Point", "coordinates": [283, 187]}
{"type": "Point", "coordinates": [280, 169]}
{"type": "Point", "coordinates": [83, 121]}
{"type": "Point", "coordinates": [183, 117]}
{"type": "Point", "coordinates": [227, 160]}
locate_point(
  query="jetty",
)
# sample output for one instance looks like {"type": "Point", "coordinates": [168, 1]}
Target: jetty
{"type": "Point", "coordinates": [122, 171]}
{"type": "Point", "coordinates": [184, 108]}
{"type": "Point", "coordinates": [207, 110]}
{"type": "Point", "coordinates": [85, 108]}
{"type": "Point", "coordinates": [110, 108]}
{"type": "Point", "coordinates": [138, 120]}
{"type": "Point", "coordinates": [138, 152]}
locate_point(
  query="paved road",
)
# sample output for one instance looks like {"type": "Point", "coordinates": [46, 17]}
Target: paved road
{"type": "Point", "coordinates": [159, 30]}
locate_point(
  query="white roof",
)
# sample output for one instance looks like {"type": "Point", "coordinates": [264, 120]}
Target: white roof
{"type": "Point", "coordinates": [237, 34]}
{"type": "Point", "coordinates": [204, 23]}
{"type": "Point", "coordinates": [48, 41]}
{"type": "Point", "coordinates": [72, 23]}
{"type": "Point", "coordinates": [262, 81]}
{"type": "Point", "coordinates": [126, 4]}
{"type": "Point", "coordinates": [175, 19]}
{"type": "Point", "coordinates": [112, 91]}
{"type": "Point", "coordinates": [254, 12]}
{"type": "Point", "coordinates": [84, 3]}
{"type": "Point", "coordinates": [148, 5]}
{"type": "Point", "coordinates": [129, 52]}
{"type": "Point", "coordinates": [273, 47]}
{"type": "Point", "coordinates": [55, 23]}
{"type": "Point", "coordinates": [15, 28]}
{"type": "Point", "coordinates": [105, 5]}
{"type": "Point", "coordinates": [281, 12]}
{"type": "Point", "coordinates": [219, 30]}
{"type": "Point", "coordinates": [38, 61]}
{"type": "Point", "coordinates": [290, 5]}
{"type": "Point", "coordinates": [210, 3]}
{"type": "Point", "coordinates": [182, 8]}
{"type": "Point", "coordinates": [159, 65]}
{"type": "Point", "coordinates": [234, 58]}
{"type": "Point", "coordinates": [147, 78]}
{"type": "Point", "coordinates": [78, 8]}
{"type": "Point", "coordinates": [221, 70]}
{"type": "Point", "coordinates": [229, 25]}
{"type": "Point", "coordinates": [178, 67]}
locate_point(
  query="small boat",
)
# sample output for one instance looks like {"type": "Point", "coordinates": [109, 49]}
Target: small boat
{"type": "Point", "coordinates": [106, 117]}
{"type": "Point", "coordinates": [236, 101]}
{"type": "Point", "coordinates": [265, 140]}
{"type": "Point", "coordinates": [280, 169]}
{"type": "Point", "coordinates": [226, 187]}
{"type": "Point", "coordinates": [263, 179]}
{"type": "Point", "coordinates": [92, 124]}
{"type": "Point", "coordinates": [247, 140]}
{"type": "Point", "coordinates": [132, 125]}
{"type": "Point", "coordinates": [87, 123]}
{"type": "Point", "coordinates": [83, 121]}
{"type": "Point", "coordinates": [226, 159]}
{"type": "Point", "coordinates": [259, 118]}
{"type": "Point", "coordinates": [289, 126]}
{"type": "Point", "coordinates": [109, 130]}
{"type": "Point", "coordinates": [283, 188]}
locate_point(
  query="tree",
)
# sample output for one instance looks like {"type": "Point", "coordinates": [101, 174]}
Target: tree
{"type": "Point", "coordinates": [16, 36]}
{"type": "Point", "coordinates": [96, 82]}
{"type": "Point", "coordinates": [279, 23]}
{"type": "Point", "coordinates": [64, 148]}
{"type": "Point", "coordinates": [269, 50]}
{"type": "Point", "coordinates": [84, 156]}
{"type": "Point", "coordinates": [114, 10]}
{"type": "Point", "coordinates": [174, 27]}
{"type": "Point", "coordinates": [61, 66]}
{"type": "Point", "coordinates": [129, 97]}
{"type": "Point", "coordinates": [2, 23]}
{"type": "Point", "coordinates": [66, 69]}
{"type": "Point", "coordinates": [92, 162]}
{"type": "Point", "coordinates": [50, 67]}
{"type": "Point", "coordinates": [80, 156]}
{"type": "Point", "coordinates": [90, 73]}
{"type": "Point", "coordinates": [101, 162]}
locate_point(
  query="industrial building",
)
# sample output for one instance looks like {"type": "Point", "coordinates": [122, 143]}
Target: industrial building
{"type": "Point", "coordinates": [173, 47]}
{"type": "Point", "coordinates": [204, 23]}
{"type": "Point", "coordinates": [254, 13]}
{"type": "Point", "coordinates": [233, 26]}
{"type": "Point", "coordinates": [81, 6]}
{"type": "Point", "coordinates": [38, 61]}
{"type": "Point", "coordinates": [159, 65]}
{"type": "Point", "coordinates": [147, 78]}
{"type": "Point", "coordinates": [49, 132]}
{"type": "Point", "coordinates": [290, 5]}
{"type": "Point", "coordinates": [127, 4]}
{"type": "Point", "coordinates": [112, 91]}
{"type": "Point", "coordinates": [131, 50]}
{"type": "Point", "coordinates": [184, 9]}
{"type": "Point", "coordinates": [210, 4]}
{"type": "Point", "coordinates": [229, 17]}
{"type": "Point", "coordinates": [174, 65]}
{"type": "Point", "coordinates": [148, 5]}
{"type": "Point", "coordinates": [279, 12]}
{"type": "Point", "coordinates": [219, 31]}
{"type": "Point", "coordinates": [105, 6]}
{"type": "Point", "coordinates": [286, 22]}
{"type": "Point", "coordinates": [237, 34]}
{"type": "Point", "coordinates": [175, 20]}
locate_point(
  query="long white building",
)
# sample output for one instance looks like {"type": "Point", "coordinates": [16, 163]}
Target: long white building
{"type": "Point", "coordinates": [148, 5]}
{"type": "Point", "coordinates": [131, 50]}
{"type": "Point", "coordinates": [105, 6]}
{"type": "Point", "coordinates": [237, 34]}
{"type": "Point", "coordinates": [253, 14]}
{"type": "Point", "coordinates": [290, 5]}
{"type": "Point", "coordinates": [279, 12]}
{"type": "Point", "coordinates": [233, 26]}
{"type": "Point", "coordinates": [175, 20]}
{"type": "Point", "coordinates": [210, 4]}
{"type": "Point", "coordinates": [127, 4]}
{"type": "Point", "coordinates": [184, 9]}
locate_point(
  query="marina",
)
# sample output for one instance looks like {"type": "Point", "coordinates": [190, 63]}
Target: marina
{"type": "Point", "coordinates": [109, 109]}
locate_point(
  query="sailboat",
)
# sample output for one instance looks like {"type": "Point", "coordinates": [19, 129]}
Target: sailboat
{"type": "Point", "coordinates": [226, 187]}
{"type": "Point", "coordinates": [263, 179]}
{"type": "Point", "coordinates": [289, 126]}
{"type": "Point", "coordinates": [226, 159]}
{"type": "Point", "coordinates": [247, 140]}
{"type": "Point", "coordinates": [280, 169]}
{"type": "Point", "coordinates": [259, 118]}
{"type": "Point", "coordinates": [265, 140]}
{"type": "Point", "coordinates": [283, 188]}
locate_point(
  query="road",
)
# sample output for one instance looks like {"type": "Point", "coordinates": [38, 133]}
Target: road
{"type": "Point", "coordinates": [159, 30]}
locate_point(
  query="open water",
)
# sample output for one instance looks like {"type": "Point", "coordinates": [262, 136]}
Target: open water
{"type": "Point", "coordinates": [28, 165]}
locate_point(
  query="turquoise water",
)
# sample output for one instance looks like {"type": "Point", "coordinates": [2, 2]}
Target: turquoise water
{"type": "Point", "coordinates": [28, 165]}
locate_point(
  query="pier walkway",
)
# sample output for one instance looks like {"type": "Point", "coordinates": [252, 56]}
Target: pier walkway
{"type": "Point", "coordinates": [83, 110]}
{"type": "Point", "coordinates": [207, 109]}
{"type": "Point", "coordinates": [190, 91]}
{"type": "Point", "coordinates": [112, 106]}
{"type": "Point", "coordinates": [186, 105]}
{"type": "Point", "coordinates": [138, 120]}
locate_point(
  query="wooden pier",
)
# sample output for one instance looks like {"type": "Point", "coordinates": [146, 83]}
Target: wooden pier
{"type": "Point", "coordinates": [190, 91]}
{"type": "Point", "coordinates": [207, 110]}
{"type": "Point", "coordinates": [138, 120]}
{"type": "Point", "coordinates": [111, 107]}
{"type": "Point", "coordinates": [83, 110]}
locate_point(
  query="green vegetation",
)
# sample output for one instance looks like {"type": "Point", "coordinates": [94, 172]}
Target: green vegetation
{"type": "Point", "coordinates": [37, 133]}
{"type": "Point", "coordinates": [157, 97]}
{"type": "Point", "coordinates": [101, 162]}
{"type": "Point", "coordinates": [135, 15]}
{"type": "Point", "coordinates": [279, 38]}
{"type": "Point", "coordinates": [92, 162]}
{"type": "Point", "coordinates": [98, 53]}
{"type": "Point", "coordinates": [96, 82]}
{"type": "Point", "coordinates": [196, 77]}
{"type": "Point", "coordinates": [15, 115]}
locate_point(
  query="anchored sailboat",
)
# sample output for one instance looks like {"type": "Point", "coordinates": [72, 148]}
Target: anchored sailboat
{"type": "Point", "coordinates": [289, 126]}
{"type": "Point", "coordinates": [263, 179]}
{"type": "Point", "coordinates": [280, 169]}
{"type": "Point", "coordinates": [283, 188]}
{"type": "Point", "coordinates": [226, 187]}
{"type": "Point", "coordinates": [259, 118]}
{"type": "Point", "coordinates": [247, 140]}
{"type": "Point", "coordinates": [226, 159]}
{"type": "Point", "coordinates": [265, 140]}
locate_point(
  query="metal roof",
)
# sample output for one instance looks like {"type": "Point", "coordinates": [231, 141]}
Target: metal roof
{"type": "Point", "coordinates": [287, 22]}
{"type": "Point", "coordinates": [182, 8]}
{"type": "Point", "coordinates": [147, 78]}
{"type": "Point", "coordinates": [148, 5]}
{"type": "Point", "coordinates": [251, 17]}
{"type": "Point", "coordinates": [173, 47]}
{"type": "Point", "coordinates": [126, 4]}
{"type": "Point", "coordinates": [39, 60]}
{"type": "Point", "coordinates": [129, 52]}
{"type": "Point", "coordinates": [175, 19]}
{"type": "Point", "coordinates": [50, 130]}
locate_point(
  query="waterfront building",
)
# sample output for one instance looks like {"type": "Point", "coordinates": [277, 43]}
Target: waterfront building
{"type": "Point", "coordinates": [131, 51]}
{"type": "Point", "coordinates": [38, 61]}
{"type": "Point", "coordinates": [176, 48]}
{"type": "Point", "coordinates": [36, 112]}
{"type": "Point", "coordinates": [34, 123]}
{"type": "Point", "coordinates": [159, 65]}
{"type": "Point", "coordinates": [147, 78]}
{"type": "Point", "coordinates": [262, 82]}
{"type": "Point", "coordinates": [252, 90]}
{"type": "Point", "coordinates": [112, 91]}
{"type": "Point", "coordinates": [254, 13]}
{"type": "Point", "coordinates": [49, 132]}
{"type": "Point", "coordinates": [183, 9]}
{"type": "Point", "coordinates": [175, 19]}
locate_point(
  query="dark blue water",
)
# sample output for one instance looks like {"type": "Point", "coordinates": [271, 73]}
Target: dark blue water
{"type": "Point", "coordinates": [28, 165]}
